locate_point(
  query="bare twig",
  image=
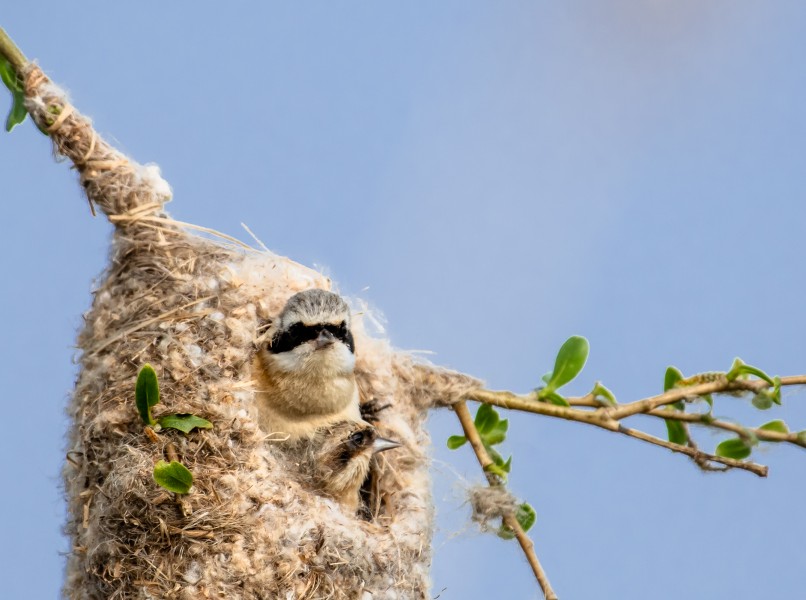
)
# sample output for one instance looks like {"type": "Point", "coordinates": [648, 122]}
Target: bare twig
{"type": "Point", "coordinates": [698, 456]}
{"type": "Point", "coordinates": [509, 519]}
{"type": "Point", "coordinates": [11, 52]}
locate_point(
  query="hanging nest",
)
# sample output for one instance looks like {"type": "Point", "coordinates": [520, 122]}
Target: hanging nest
{"type": "Point", "coordinates": [193, 306]}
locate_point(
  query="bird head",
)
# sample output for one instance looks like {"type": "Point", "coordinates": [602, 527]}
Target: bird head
{"type": "Point", "coordinates": [312, 334]}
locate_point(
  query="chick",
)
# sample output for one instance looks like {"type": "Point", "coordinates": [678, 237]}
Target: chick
{"type": "Point", "coordinates": [336, 460]}
{"type": "Point", "coordinates": [306, 372]}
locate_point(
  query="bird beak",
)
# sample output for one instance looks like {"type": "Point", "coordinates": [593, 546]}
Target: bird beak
{"type": "Point", "coordinates": [324, 339]}
{"type": "Point", "coordinates": [382, 444]}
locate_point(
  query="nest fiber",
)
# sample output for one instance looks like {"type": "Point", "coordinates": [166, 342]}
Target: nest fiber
{"type": "Point", "coordinates": [193, 307]}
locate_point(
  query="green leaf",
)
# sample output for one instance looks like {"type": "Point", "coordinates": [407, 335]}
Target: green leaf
{"type": "Point", "coordinates": [603, 394]}
{"type": "Point", "coordinates": [552, 397]}
{"type": "Point", "coordinates": [486, 418]}
{"type": "Point", "coordinates": [498, 461]}
{"type": "Point", "coordinates": [496, 470]}
{"type": "Point", "coordinates": [739, 368]}
{"type": "Point", "coordinates": [676, 431]}
{"type": "Point", "coordinates": [762, 400]}
{"type": "Point", "coordinates": [546, 378]}
{"type": "Point", "coordinates": [775, 394]}
{"type": "Point", "coordinates": [173, 476]}
{"type": "Point", "coordinates": [505, 533]}
{"type": "Point", "coordinates": [497, 434]}
{"type": "Point", "coordinates": [507, 466]}
{"type": "Point", "coordinates": [526, 517]}
{"type": "Point", "coordinates": [569, 362]}
{"type": "Point", "coordinates": [778, 426]}
{"type": "Point", "coordinates": [184, 422]}
{"type": "Point", "coordinates": [673, 375]}
{"type": "Point", "coordinates": [495, 455]}
{"type": "Point", "coordinates": [146, 393]}
{"type": "Point", "coordinates": [733, 448]}
{"type": "Point", "coordinates": [18, 112]}
{"type": "Point", "coordinates": [456, 441]}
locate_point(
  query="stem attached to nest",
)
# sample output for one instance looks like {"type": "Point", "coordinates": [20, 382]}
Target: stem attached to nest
{"type": "Point", "coordinates": [11, 52]}
{"type": "Point", "coordinates": [528, 547]}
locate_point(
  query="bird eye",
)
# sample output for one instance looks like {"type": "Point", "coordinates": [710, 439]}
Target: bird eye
{"type": "Point", "coordinates": [292, 337]}
{"type": "Point", "coordinates": [341, 332]}
{"type": "Point", "coordinates": [357, 438]}
{"type": "Point", "coordinates": [362, 438]}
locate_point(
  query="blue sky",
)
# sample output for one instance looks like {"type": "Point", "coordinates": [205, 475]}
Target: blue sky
{"type": "Point", "coordinates": [494, 177]}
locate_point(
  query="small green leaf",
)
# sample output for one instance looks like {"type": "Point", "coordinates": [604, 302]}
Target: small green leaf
{"type": "Point", "coordinates": [505, 533]}
{"type": "Point", "coordinates": [495, 455]}
{"type": "Point", "coordinates": [497, 434]}
{"type": "Point", "coordinates": [676, 431]}
{"type": "Point", "coordinates": [9, 75]}
{"type": "Point", "coordinates": [569, 362]}
{"type": "Point", "coordinates": [18, 112]}
{"type": "Point", "coordinates": [673, 375]}
{"type": "Point", "coordinates": [603, 394]}
{"type": "Point", "coordinates": [456, 441]}
{"type": "Point", "coordinates": [173, 476]}
{"type": "Point", "coordinates": [762, 400]}
{"type": "Point", "coordinates": [486, 418]}
{"type": "Point", "coordinates": [507, 466]}
{"type": "Point", "coordinates": [502, 466]}
{"type": "Point", "coordinates": [496, 470]}
{"type": "Point", "coordinates": [526, 517]}
{"type": "Point", "coordinates": [546, 378]}
{"type": "Point", "coordinates": [552, 397]}
{"type": "Point", "coordinates": [778, 426]}
{"type": "Point", "coordinates": [709, 400]}
{"type": "Point", "coordinates": [146, 393]}
{"type": "Point", "coordinates": [733, 448]}
{"type": "Point", "coordinates": [775, 394]}
{"type": "Point", "coordinates": [739, 368]}
{"type": "Point", "coordinates": [184, 422]}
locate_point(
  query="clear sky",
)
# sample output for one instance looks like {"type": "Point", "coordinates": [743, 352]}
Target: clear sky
{"type": "Point", "coordinates": [494, 177]}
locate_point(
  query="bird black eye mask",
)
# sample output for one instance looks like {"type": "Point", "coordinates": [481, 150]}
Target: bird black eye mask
{"type": "Point", "coordinates": [299, 333]}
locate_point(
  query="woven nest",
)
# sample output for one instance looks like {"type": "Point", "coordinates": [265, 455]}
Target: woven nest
{"type": "Point", "coordinates": [193, 306]}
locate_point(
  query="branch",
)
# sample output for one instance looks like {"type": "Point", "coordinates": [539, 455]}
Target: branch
{"type": "Point", "coordinates": [707, 420]}
{"type": "Point", "coordinates": [510, 521]}
{"type": "Point", "coordinates": [10, 51]}
{"type": "Point", "coordinates": [610, 417]}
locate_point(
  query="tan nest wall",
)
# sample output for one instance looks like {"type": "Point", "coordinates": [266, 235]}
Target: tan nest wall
{"type": "Point", "coordinates": [193, 308]}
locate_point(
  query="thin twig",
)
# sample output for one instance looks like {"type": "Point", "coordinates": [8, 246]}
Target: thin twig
{"type": "Point", "coordinates": [609, 417]}
{"type": "Point", "coordinates": [698, 455]}
{"type": "Point", "coordinates": [509, 519]}
{"type": "Point", "coordinates": [11, 52]}
{"type": "Point", "coordinates": [704, 419]}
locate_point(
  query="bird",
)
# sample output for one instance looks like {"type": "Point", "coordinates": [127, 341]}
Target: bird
{"type": "Point", "coordinates": [305, 373]}
{"type": "Point", "coordinates": [336, 460]}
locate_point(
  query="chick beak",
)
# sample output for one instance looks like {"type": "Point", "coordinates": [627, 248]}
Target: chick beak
{"type": "Point", "coordinates": [382, 444]}
{"type": "Point", "coordinates": [324, 339]}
